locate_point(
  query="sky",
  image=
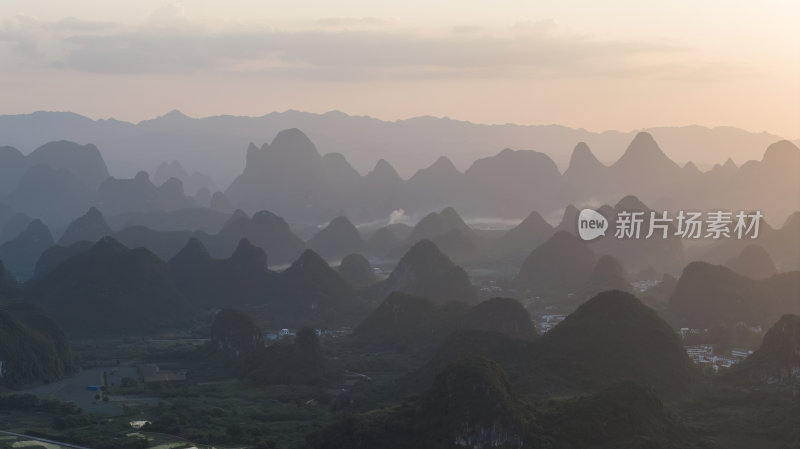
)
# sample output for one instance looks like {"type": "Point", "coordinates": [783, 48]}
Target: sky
{"type": "Point", "coordinates": [617, 64]}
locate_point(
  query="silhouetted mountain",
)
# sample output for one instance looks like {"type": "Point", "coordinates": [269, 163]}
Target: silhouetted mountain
{"type": "Point", "coordinates": [56, 195]}
{"type": "Point", "coordinates": [111, 289]}
{"type": "Point", "coordinates": [91, 226]}
{"type": "Point", "coordinates": [522, 172]}
{"type": "Point", "coordinates": [337, 168]}
{"type": "Point", "coordinates": [644, 168]}
{"type": "Point", "coordinates": [193, 219]}
{"type": "Point", "coordinates": [691, 170]}
{"type": "Point", "coordinates": [614, 337]}
{"type": "Point", "coordinates": [782, 244]}
{"type": "Point", "coordinates": [504, 315]}
{"type": "Point", "coordinates": [116, 196]}
{"type": "Point", "coordinates": [193, 183]}
{"type": "Point", "coordinates": [301, 363]}
{"type": "Point", "coordinates": [318, 289]}
{"type": "Point", "coordinates": [55, 255]}
{"type": "Point", "coordinates": [708, 295]}
{"type": "Point", "coordinates": [558, 266]}
{"type": "Point", "coordinates": [318, 198]}
{"type": "Point", "coordinates": [168, 170]}
{"type": "Point", "coordinates": [221, 203]}
{"type": "Point", "coordinates": [83, 161]}
{"type": "Point", "coordinates": [139, 194]}
{"type": "Point", "coordinates": [265, 230]}
{"type": "Point", "coordinates": [33, 348]}
{"type": "Point", "coordinates": [20, 254]}
{"type": "Point", "coordinates": [584, 169]}
{"type": "Point", "coordinates": [450, 233]}
{"type": "Point", "coordinates": [248, 257]}
{"type": "Point", "coordinates": [527, 235]}
{"type": "Point", "coordinates": [303, 185]}
{"type": "Point", "coordinates": [165, 244]}
{"type": "Point", "coordinates": [426, 271]}
{"type": "Point", "coordinates": [363, 140]}
{"type": "Point", "coordinates": [402, 321]}
{"type": "Point", "coordinates": [242, 280]}
{"type": "Point", "coordinates": [471, 403]}
{"type": "Point", "coordinates": [753, 262]}
{"type": "Point", "coordinates": [8, 283]}
{"type": "Point", "coordinates": [382, 175]}
{"type": "Point", "coordinates": [665, 255]}
{"type": "Point", "coordinates": [192, 262]}
{"type": "Point", "coordinates": [408, 322]}
{"type": "Point", "coordinates": [777, 361]}
{"type": "Point", "coordinates": [203, 197]}
{"type": "Point", "coordinates": [12, 166]}
{"type": "Point", "coordinates": [356, 270]}
{"type": "Point", "coordinates": [435, 185]}
{"type": "Point", "coordinates": [723, 170]}
{"type": "Point", "coordinates": [235, 336]}
{"type": "Point", "coordinates": [14, 226]}
{"type": "Point", "coordinates": [288, 176]}
{"type": "Point", "coordinates": [309, 291]}
{"type": "Point", "coordinates": [659, 294]}
{"type": "Point", "coordinates": [171, 196]}
{"type": "Point", "coordinates": [437, 224]}
{"type": "Point", "coordinates": [383, 239]}
{"type": "Point", "coordinates": [607, 274]}
{"type": "Point", "coordinates": [569, 220]}
{"type": "Point", "coordinates": [380, 192]}
{"type": "Point", "coordinates": [766, 185]}
{"type": "Point", "coordinates": [6, 213]}
{"type": "Point", "coordinates": [586, 177]}
{"type": "Point", "coordinates": [337, 239]}
{"type": "Point", "coordinates": [623, 415]}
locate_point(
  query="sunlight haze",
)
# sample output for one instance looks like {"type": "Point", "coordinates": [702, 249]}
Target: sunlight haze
{"type": "Point", "coordinates": [578, 64]}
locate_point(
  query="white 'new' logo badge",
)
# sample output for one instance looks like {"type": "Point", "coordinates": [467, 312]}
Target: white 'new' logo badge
{"type": "Point", "coordinates": [591, 224]}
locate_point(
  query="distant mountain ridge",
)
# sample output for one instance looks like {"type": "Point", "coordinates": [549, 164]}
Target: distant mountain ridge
{"type": "Point", "coordinates": [292, 178]}
{"type": "Point", "coordinates": [363, 140]}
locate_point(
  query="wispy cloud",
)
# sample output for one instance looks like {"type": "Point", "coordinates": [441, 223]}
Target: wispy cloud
{"type": "Point", "coordinates": [347, 22]}
{"type": "Point", "coordinates": [341, 49]}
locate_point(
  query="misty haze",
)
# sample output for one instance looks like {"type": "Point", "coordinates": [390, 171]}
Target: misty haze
{"type": "Point", "coordinates": [417, 225]}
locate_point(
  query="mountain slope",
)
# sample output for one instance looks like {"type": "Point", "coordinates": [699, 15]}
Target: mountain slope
{"type": "Point", "coordinates": [708, 295]}
{"type": "Point", "coordinates": [20, 254]}
{"type": "Point", "coordinates": [425, 271]}
{"type": "Point", "coordinates": [91, 227]}
{"type": "Point", "coordinates": [337, 240]}
{"type": "Point", "coordinates": [111, 290]}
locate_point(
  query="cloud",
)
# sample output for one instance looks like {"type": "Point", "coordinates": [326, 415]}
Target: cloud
{"type": "Point", "coordinates": [18, 37]}
{"type": "Point", "coordinates": [339, 49]}
{"type": "Point", "coordinates": [352, 22]}
{"type": "Point", "coordinates": [399, 216]}
{"type": "Point", "coordinates": [372, 53]}
{"type": "Point", "coordinates": [72, 24]}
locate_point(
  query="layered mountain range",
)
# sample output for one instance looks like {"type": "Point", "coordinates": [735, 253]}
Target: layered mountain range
{"type": "Point", "coordinates": [292, 178]}
{"type": "Point", "coordinates": [216, 145]}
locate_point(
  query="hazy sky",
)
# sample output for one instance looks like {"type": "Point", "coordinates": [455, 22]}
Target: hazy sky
{"type": "Point", "coordinates": [597, 65]}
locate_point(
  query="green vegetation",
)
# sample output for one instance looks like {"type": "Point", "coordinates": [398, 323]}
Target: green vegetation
{"type": "Point", "coordinates": [613, 374]}
{"type": "Point", "coordinates": [708, 295]}
{"type": "Point", "coordinates": [32, 348]}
